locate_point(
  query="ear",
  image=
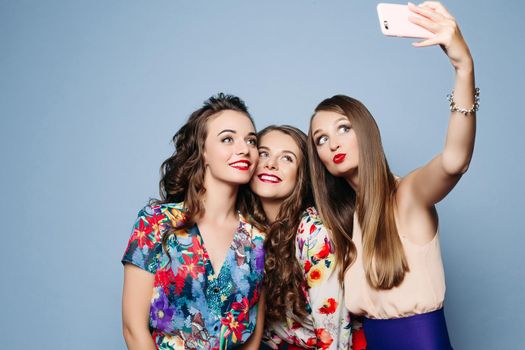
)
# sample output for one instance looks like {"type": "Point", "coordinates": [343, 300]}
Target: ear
{"type": "Point", "coordinates": [205, 157]}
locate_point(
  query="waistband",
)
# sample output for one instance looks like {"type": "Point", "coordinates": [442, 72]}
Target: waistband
{"type": "Point", "coordinates": [422, 332]}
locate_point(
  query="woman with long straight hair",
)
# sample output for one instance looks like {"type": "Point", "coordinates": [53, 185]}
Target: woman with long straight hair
{"type": "Point", "coordinates": [305, 308]}
{"type": "Point", "coordinates": [194, 264]}
{"type": "Point", "coordinates": [385, 228]}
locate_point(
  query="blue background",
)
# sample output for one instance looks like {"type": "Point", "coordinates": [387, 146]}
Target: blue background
{"type": "Point", "coordinates": [91, 93]}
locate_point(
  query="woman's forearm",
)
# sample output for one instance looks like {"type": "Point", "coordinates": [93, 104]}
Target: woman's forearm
{"type": "Point", "coordinates": [461, 131]}
{"type": "Point", "coordinates": [138, 339]}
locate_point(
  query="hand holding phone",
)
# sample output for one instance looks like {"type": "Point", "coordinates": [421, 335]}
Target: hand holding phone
{"type": "Point", "coordinates": [393, 19]}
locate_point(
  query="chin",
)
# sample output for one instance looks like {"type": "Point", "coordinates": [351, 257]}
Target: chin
{"type": "Point", "coordinates": [339, 171]}
{"type": "Point", "coordinates": [264, 193]}
{"type": "Point", "coordinates": [271, 197]}
{"type": "Point", "coordinates": [239, 180]}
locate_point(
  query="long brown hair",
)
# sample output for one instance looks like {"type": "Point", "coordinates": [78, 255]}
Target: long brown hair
{"type": "Point", "coordinates": [182, 174]}
{"type": "Point", "coordinates": [284, 277]}
{"type": "Point", "coordinates": [384, 259]}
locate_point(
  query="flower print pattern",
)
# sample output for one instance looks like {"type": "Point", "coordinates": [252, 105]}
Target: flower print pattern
{"type": "Point", "coordinates": [328, 325]}
{"type": "Point", "coordinates": [160, 313]}
{"type": "Point", "coordinates": [329, 306]}
{"type": "Point", "coordinates": [233, 327]}
{"type": "Point", "coordinates": [192, 306]}
{"type": "Point", "coordinates": [141, 233]}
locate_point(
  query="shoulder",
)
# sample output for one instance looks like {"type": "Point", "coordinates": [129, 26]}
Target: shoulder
{"type": "Point", "coordinates": [312, 234]}
{"type": "Point", "coordinates": [175, 213]}
{"type": "Point", "coordinates": [159, 217]}
{"type": "Point", "coordinates": [310, 219]}
{"type": "Point", "coordinates": [312, 213]}
{"type": "Point", "coordinates": [165, 213]}
{"type": "Point", "coordinates": [253, 231]}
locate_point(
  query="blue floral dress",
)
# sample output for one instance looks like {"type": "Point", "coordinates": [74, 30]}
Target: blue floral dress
{"type": "Point", "coordinates": [193, 306]}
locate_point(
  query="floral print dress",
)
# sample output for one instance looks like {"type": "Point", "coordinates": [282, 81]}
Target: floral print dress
{"type": "Point", "coordinates": [328, 324]}
{"type": "Point", "coordinates": [193, 306]}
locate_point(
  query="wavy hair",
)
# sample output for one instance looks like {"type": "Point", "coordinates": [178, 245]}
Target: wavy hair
{"type": "Point", "coordinates": [384, 259]}
{"type": "Point", "coordinates": [182, 174]}
{"type": "Point", "coordinates": [284, 277]}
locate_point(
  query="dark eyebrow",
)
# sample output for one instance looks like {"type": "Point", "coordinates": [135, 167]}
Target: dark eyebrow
{"type": "Point", "coordinates": [227, 130]}
{"type": "Point", "coordinates": [252, 134]}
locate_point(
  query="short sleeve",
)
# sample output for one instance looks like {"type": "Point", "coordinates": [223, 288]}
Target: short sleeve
{"type": "Point", "coordinates": [144, 246]}
{"type": "Point", "coordinates": [330, 317]}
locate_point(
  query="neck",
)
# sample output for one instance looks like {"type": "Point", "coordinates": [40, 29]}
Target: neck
{"type": "Point", "coordinates": [219, 200]}
{"type": "Point", "coordinates": [352, 180]}
{"type": "Point", "coordinates": [271, 208]}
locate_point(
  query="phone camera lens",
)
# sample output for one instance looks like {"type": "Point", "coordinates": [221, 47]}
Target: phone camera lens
{"type": "Point", "coordinates": [385, 24]}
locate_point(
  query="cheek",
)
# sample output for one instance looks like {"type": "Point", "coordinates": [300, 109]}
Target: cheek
{"type": "Point", "coordinates": [254, 153]}
{"type": "Point", "coordinates": [216, 156]}
{"type": "Point", "coordinates": [290, 175]}
{"type": "Point", "coordinates": [354, 148]}
{"type": "Point", "coordinates": [324, 155]}
{"type": "Point", "coordinates": [255, 156]}
{"type": "Point", "coordinates": [260, 164]}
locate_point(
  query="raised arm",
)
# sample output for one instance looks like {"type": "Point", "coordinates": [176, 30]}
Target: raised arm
{"type": "Point", "coordinates": [431, 183]}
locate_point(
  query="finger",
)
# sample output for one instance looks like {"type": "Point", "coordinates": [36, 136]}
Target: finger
{"type": "Point", "coordinates": [438, 7]}
{"type": "Point", "coordinates": [425, 23]}
{"type": "Point", "coordinates": [427, 42]}
{"type": "Point", "coordinates": [425, 12]}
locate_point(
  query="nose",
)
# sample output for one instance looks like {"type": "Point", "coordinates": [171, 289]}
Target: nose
{"type": "Point", "coordinates": [333, 143]}
{"type": "Point", "coordinates": [271, 164]}
{"type": "Point", "coordinates": [242, 148]}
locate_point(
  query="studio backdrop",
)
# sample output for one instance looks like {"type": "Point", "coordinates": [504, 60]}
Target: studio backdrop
{"type": "Point", "coordinates": [91, 93]}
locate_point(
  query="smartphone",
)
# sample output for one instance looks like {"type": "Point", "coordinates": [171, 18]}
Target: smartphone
{"type": "Point", "coordinates": [393, 19]}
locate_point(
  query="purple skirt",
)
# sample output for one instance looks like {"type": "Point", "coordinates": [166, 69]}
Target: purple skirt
{"type": "Point", "coordinates": [422, 332]}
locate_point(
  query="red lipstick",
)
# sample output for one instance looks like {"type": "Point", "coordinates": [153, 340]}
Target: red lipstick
{"type": "Point", "coordinates": [269, 178]}
{"type": "Point", "coordinates": [241, 165]}
{"type": "Point", "coordinates": [339, 158]}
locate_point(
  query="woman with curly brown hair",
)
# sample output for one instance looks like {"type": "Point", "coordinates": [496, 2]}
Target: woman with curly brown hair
{"type": "Point", "coordinates": [195, 261]}
{"type": "Point", "coordinates": [305, 301]}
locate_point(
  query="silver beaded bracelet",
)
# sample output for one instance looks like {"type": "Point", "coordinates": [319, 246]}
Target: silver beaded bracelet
{"type": "Point", "coordinates": [454, 108]}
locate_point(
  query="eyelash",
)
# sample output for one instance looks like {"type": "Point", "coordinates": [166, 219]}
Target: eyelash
{"type": "Point", "coordinates": [346, 127]}
{"type": "Point", "coordinates": [229, 139]}
{"type": "Point", "coordinates": [265, 154]}
{"type": "Point", "coordinates": [319, 140]}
